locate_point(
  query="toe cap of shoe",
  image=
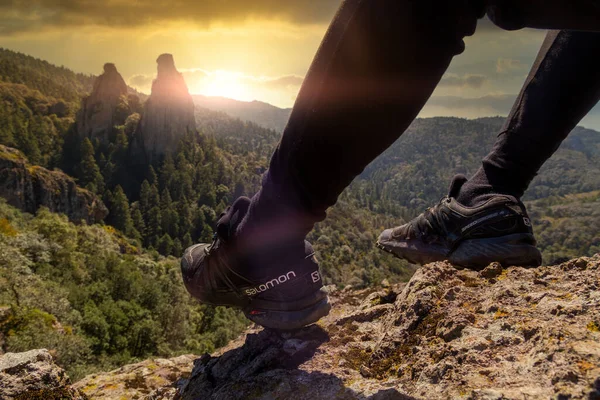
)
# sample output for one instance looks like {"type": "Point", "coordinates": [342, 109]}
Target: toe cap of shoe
{"type": "Point", "coordinates": [386, 236]}
{"type": "Point", "coordinates": [192, 261]}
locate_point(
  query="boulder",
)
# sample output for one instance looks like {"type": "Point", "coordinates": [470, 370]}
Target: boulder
{"type": "Point", "coordinates": [151, 379]}
{"type": "Point", "coordinates": [33, 375]}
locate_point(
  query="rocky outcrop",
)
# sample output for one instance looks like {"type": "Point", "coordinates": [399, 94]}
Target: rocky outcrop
{"type": "Point", "coordinates": [153, 379]}
{"type": "Point", "coordinates": [497, 334]}
{"type": "Point", "coordinates": [105, 107]}
{"type": "Point", "coordinates": [29, 187]}
{"type": "Point", "coordinates": [168, 113]}
{"type": "Point", "coordinates": [33, 375]}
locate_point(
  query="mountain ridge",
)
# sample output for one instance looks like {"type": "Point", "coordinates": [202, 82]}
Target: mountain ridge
{"type": "Point", "coordinates": [259, 112]}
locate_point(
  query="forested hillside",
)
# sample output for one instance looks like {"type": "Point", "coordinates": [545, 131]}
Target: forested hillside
{"type": "Point", "coordinates": [95, 298]}
{"type": "Point", "coordinates": [415, 172]}
{"type": "Point", "coordinates": [417, 169]}
{"type": "Point", "coordinates": [52, 81]}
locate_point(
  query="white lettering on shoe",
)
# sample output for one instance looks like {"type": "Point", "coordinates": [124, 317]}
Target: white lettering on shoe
{"type": "Point", "coordinates": [271, 284]}
{"type": "Point", "coordinates": [316, 277]}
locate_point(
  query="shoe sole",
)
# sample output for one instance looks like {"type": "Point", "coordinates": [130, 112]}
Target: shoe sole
{"type": "Point", "coordinates": [517, 249]}
{"type": "Point", "coordinates": [285, 316]}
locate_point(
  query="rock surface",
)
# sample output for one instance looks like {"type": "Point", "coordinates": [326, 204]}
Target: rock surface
{"type": "Point", "coordinates": [100, 110]}
{"type": "Point", "coordinates": [33, 375]}
{"type": "Point", "coordinates": [168, 113]}
{"type": "Point", "coordinates": [152, 379]}
{"type": "Point", "coordinates": [29, 187]}
{"type": "Point", "coordinates": [498, 334]}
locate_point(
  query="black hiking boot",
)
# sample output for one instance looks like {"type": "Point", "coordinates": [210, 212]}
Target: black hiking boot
{"type": "Point", "coordinates": [498, 230]}
{"type": "Point", "coordinates": [277, 286]}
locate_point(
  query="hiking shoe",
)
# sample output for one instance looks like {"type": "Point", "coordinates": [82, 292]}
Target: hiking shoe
{"type": "Point", "coordinates": [498, 230]}
{"type": "Point", "coordinates": [276, 286]}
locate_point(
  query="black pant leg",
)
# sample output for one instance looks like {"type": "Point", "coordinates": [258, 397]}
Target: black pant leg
{"type": "Point", "coordinates": [562, 87]}
{"type": "Point", "coordinates": [545, 14]}
{"type": "Point", "coordinates": [377, 66]}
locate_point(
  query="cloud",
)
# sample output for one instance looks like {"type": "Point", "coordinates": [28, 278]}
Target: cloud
{"type": "Point", "coordinates": [200, 80]}
{"type": "Point", "coordinates": [140, 81]}
{"type": "Point", "coordinates": [472, 81]}
{"type": "Point", "coordinates": [282, 82]}
{"type": "Point", "coordinates": [195, 74]}
{"type": "Point", "coordinates": [506, 65]}
{"type": "Point", "coordinates": [486, 106]}
{"type": "Point", "coordinates": [25, 16]}
{"type": "Point", "coordinates": [17, 16]}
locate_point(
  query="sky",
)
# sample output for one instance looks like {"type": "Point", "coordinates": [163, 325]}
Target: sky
{"type": "Point", "coordinates": [247, 50]}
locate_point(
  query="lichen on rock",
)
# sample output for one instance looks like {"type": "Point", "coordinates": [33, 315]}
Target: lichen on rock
{"type": "Point", "coordinates": [152, 379]}
{"type": "Point", "coordinates": [34, 376]}
{"type": "Point", "coordinates": [496, 334]}
{"type": "Point", "coordinates": [513, 333]}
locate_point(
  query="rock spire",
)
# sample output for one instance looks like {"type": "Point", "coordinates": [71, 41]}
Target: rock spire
{"type": "Point", "coordinates": [100, 110]}
{"type": "Point", "coordinates": [168, 113]}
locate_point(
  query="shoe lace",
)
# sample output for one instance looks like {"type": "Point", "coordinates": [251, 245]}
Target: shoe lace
{"type": "Point", "coordinates": [432, 223]}
{"type": "Point", "coordinates": [218, 268]}
{"type": "Point", "coordinates": [208, 249]}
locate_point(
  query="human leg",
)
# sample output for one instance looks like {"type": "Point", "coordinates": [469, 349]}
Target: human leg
{"type": "Point", "coordinates": [562, 87]}
{"type": "Point", "coordinates": [377, 66]}
{"type": "Point", "coordinates": [483, 220]}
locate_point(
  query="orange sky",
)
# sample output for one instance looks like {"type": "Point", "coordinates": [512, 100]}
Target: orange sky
{"type": "Point", "coordinates": [245, 50]}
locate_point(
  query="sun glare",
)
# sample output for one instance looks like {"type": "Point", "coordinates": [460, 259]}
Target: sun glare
{"type": "Point", "coordinates": [224, 84]}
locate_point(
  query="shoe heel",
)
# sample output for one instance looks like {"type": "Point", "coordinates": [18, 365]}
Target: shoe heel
{"type": "Point", "coordinates": [518, 249]}
{"type": "Point", "coordinates": [287, 318]}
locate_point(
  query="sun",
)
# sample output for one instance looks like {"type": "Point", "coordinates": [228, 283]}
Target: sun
{"type": "Point", "coordinates": [226, 84]}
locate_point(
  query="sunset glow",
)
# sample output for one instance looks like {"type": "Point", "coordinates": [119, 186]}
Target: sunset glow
{"type": "Point", "coordinates": [248, 51]}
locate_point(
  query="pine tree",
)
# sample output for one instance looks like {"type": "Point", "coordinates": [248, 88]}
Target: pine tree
{"type": "Point", "coordinates": [153, 226]}
{"type": "Point", "coordinates": [185, 216]}
{"type": "Point", "coordinates": [152, 178]}
{"type": "Point", "coordinates": [167, 172]}
{"type": "Point", "coordinates": [88, 171]}
{"type": "Point", "coordinates": [120, 216]}
{"type": "Point", "coordinates": [168, 215]}
{"type": "Point", "coordinates": [187, 241]}
{"type": "Point", "coordinates": [138, 221]}
{"type": "Point", "coordinates": [177, 250]}
{"type": "Point", "coordinates": [145, 198]}
{"type": "Point", "coordinates": [154, 198]}
{"type": "Point", "coordinates": [108, 172]}
{"type": "Point", "coordinates": [165, 245]}
{"type": "Point", "coordinates": [28, 144]}
{"type": "Point", "coordinates": [165, 200]}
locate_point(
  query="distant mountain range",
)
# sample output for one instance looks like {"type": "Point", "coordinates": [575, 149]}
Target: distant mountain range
{"type": "Point", "coordinates": [261, 113]}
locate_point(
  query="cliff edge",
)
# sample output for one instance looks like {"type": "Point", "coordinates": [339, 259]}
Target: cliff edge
{"type": "Point", "coordinates": [499, 333]}
{"type": "Point", "coordinates": [29, 187]}
{"type": "Point", "coordinates": [511, 333]}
